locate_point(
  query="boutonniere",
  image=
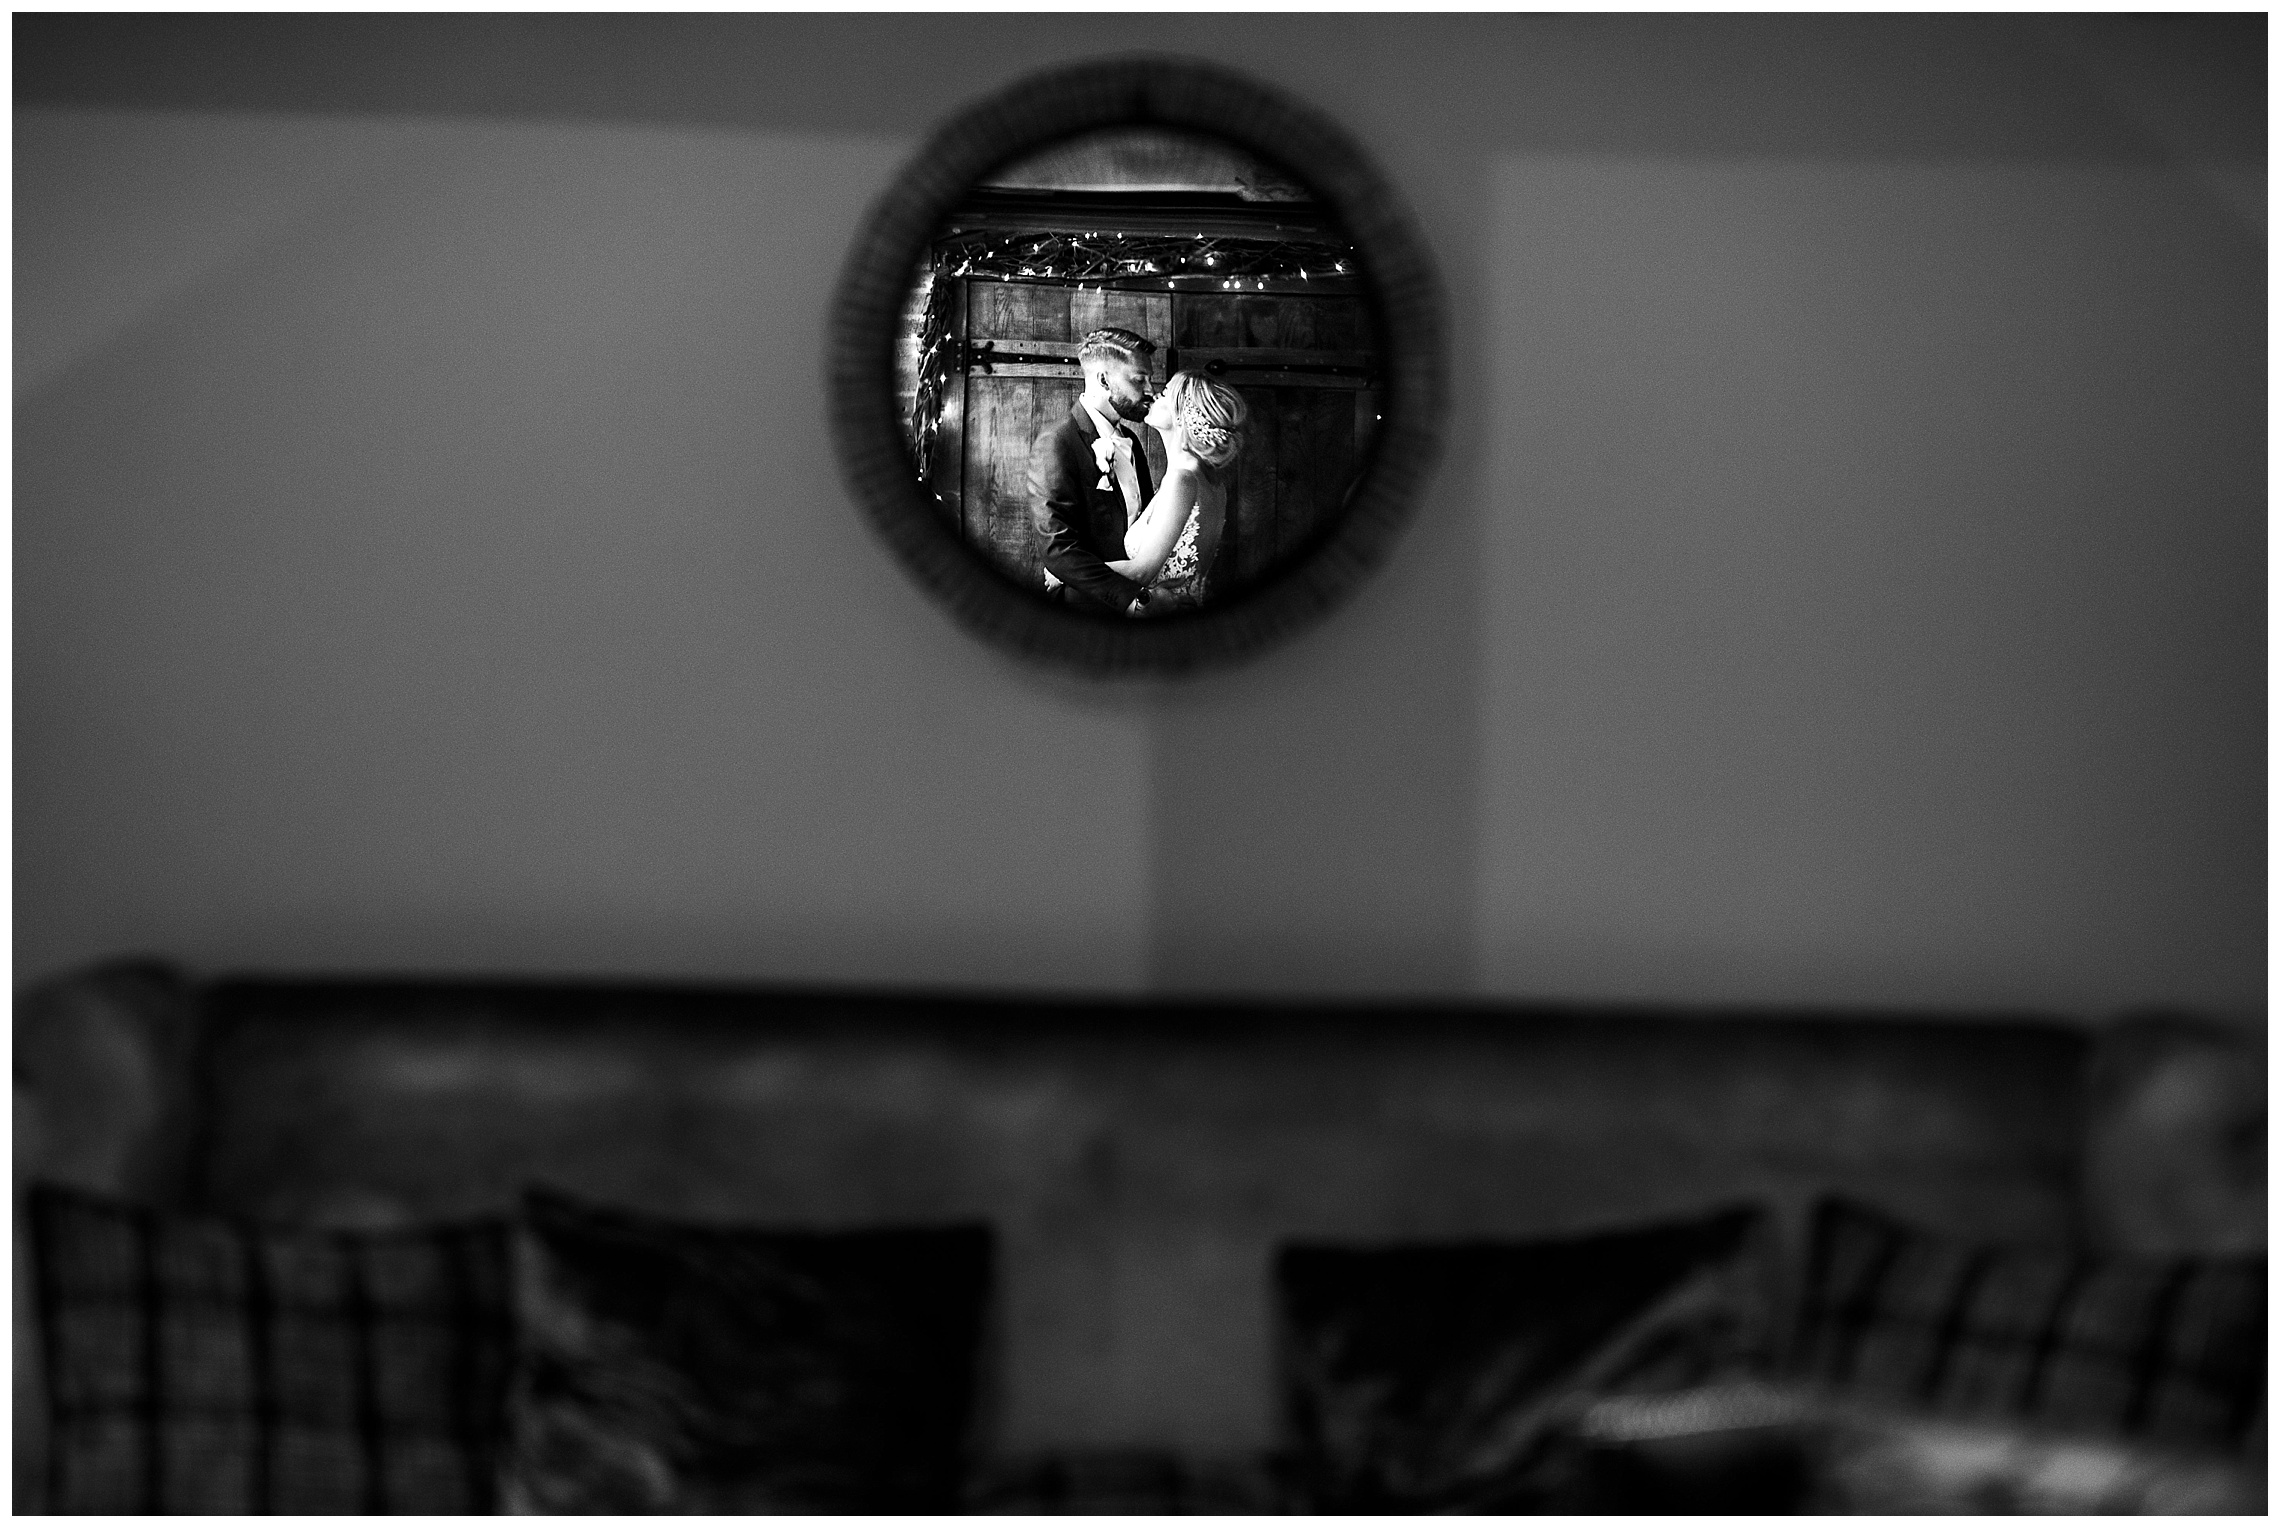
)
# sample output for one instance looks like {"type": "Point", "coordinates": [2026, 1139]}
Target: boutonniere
{"type": "Point", "coordinates": [1104, 453]}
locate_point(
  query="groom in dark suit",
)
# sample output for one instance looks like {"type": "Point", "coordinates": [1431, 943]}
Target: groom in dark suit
{"type": "Point", "coordinates": [1089, 476]}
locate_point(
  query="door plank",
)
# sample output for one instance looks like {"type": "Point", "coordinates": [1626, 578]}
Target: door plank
{"type": "Point", "coordinates": [1005, 310]}
{"type": "Point", "coordinates": [1269, 358]}
{"type": "Point", "coordinates": [1241, 377]}
{"type": "Point", "coordinates": [1204, 318]}
{"type": "Point", "coordinates": [1144, 313]}
{"type": "Point", "coordinates": [1330, 465]}
{"type": "Point", "coordinates": [1066, 371]}
{"type": "Point", "coordinates": [1251, 514]}
{"type": "Point", "coordinates": [1008, 414]}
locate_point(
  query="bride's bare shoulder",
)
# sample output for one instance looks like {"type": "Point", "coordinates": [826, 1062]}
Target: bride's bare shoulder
{"type": "Point", "coordinates": [1182, 480]}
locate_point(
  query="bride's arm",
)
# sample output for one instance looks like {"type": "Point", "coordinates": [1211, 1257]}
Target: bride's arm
{"type": "Point", "coordinates": [1150, 539]}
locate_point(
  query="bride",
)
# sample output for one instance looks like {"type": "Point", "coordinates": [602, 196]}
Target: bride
{"type": "Point", "coordinates": [1170, 547]}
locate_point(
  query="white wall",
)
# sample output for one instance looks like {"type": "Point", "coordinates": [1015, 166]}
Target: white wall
{"type": "Point", "coordinates": [441, 564]}
{"type": "Point", "coordinates": [1844, 584]}
{"type": "Point", "coordinates": [1880, 585]}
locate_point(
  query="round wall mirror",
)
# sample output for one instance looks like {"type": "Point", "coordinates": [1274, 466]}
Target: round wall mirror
{"type": "Point", "coordinates": [1136, 366]}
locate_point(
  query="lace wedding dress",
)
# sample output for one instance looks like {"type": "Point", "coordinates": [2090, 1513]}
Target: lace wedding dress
{"type": "Point", "coordinates": [1181, 580]}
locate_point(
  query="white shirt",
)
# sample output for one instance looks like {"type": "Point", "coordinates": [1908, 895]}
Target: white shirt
{"type": "Point", "coordinates": [1127, 479]}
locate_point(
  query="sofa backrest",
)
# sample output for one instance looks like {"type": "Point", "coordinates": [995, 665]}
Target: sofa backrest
{"type": "Point", "coordinates": [1139, 1162]}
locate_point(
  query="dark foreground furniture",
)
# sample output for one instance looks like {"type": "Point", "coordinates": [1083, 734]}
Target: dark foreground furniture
{"type": "Point", "coordinates": [1143, 1176]}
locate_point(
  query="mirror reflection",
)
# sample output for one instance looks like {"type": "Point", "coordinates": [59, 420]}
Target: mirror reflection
{"type": "Point", "coordinates": [1137, 372]}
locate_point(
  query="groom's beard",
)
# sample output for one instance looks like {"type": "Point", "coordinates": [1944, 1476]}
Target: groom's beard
{"type": "Point", "coordinates": [1134, 411]}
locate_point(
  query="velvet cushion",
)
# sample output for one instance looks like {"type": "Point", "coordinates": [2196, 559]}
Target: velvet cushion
{"type": "Point", "coordinates": [671, 1367]}
{"type": "Point", "coordinates": [200, 1365]}
{"type": "Point", "coordinates": [1426, 1378]}
{"type": "Point", "coordinates": [2166, 1350]}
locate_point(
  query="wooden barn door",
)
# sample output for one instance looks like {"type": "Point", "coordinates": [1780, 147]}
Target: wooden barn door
{"type": "Point", "coordinates": [1301, 362]}
{"type": "Point", "coordinates": [1304, 365]}
{"type": "Point", "coordinates": [1020, 377]}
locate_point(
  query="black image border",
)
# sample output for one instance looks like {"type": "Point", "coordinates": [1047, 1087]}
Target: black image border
{"type": "Point", "coordinates": [1407, 311]}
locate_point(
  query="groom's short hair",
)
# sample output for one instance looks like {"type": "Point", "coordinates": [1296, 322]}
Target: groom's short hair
{"type": "Point", "coordinates": [1116, 345]}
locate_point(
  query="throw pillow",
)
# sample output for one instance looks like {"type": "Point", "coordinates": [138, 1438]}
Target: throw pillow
{"type": "Point", "coordinates": [668, 1367]}
{"type": "Point", "coordinates": [1428, 1378]}
{"type": "Point", "coordinates": [200, 1365]}
{"type": "Point", "coordinates": [2171, 1351]}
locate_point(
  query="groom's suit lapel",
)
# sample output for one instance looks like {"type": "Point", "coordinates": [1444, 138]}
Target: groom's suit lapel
{"type": "Point", "coordinates": [1108, 503]}
{"type": "Point", "coordinates": [1088, 432]}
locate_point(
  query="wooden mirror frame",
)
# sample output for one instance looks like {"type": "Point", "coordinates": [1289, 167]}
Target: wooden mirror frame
{"type": "Point", "coordinates": [1406, 311]}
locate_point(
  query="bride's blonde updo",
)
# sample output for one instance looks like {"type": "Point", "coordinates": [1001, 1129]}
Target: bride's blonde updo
{"type": "Point", "coordinates": [1211, 416]}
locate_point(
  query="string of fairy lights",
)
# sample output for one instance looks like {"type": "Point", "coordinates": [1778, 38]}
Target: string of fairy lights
{"type": "Point", "coordinates": [1204, 261]}
{"type": "Point", "coordinates": [1094, 260]}
{"type": "Point", "coordinates": [933, 374]}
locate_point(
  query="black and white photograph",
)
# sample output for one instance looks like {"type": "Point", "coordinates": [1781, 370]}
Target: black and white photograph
{"type": "Point", "coordinates": [1139, 373]}
{"type": "Point", "coordinates": [1140, 762]}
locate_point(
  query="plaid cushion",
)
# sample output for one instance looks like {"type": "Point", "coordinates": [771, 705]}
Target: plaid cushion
{"type": "Point", "coordinates": [198, 1365]}
{"type": "Point", "coordinates": [2171, 1351]}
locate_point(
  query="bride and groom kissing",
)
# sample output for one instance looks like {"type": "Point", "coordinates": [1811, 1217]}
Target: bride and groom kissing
{"type": "Point", "coordinates": [1115, 539]}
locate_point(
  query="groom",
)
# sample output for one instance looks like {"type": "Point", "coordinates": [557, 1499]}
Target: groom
{"type": "Point", "coordinates": [1089, 476]}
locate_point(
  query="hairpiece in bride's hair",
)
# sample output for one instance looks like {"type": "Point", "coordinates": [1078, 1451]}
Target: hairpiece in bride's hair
{"type": "Point", "coordinates": [1210, 414]}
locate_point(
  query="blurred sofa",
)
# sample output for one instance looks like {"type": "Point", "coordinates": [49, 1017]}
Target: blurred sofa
{"type": "Point", "coordinates": [1139, 1164]}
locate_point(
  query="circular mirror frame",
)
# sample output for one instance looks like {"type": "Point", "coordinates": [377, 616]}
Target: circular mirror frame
{"type": "Point", "coordinates": [1033, 113]}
